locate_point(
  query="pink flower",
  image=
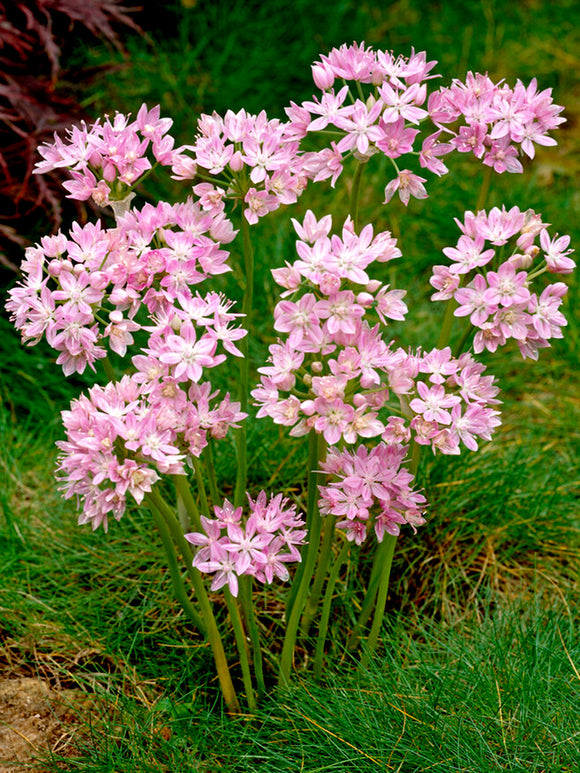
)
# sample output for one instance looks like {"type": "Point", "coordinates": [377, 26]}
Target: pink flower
{"type": "Point", "coordinates": [188, 354]}
{"type": "Point", "coordinates": [259, 203]}
{"type": "Point", "coordinates": [433, 402]}
{"type": "Point", "coordinates": [395, 139]}
{"type": "Point", "coordinates": [407, 184]}
{"type": "Point", "coordinates": [556, 253]}
{"type": "Point", "coordinates": [506, 287]}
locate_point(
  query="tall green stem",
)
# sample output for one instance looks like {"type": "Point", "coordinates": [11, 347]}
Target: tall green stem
{"type": "Point", "coordinates": [321, 571]}
{"type": "Point", "coordinates": [207, 456]}
{"type": "Point", "coordinates": [185, 497]}
{"type": "Point", "coordinates": [484, 190]}
{"type": "Point", "coordinates": [317, 446]}
{"type": "Point", "coordinates": [174, 571]}
{"type": "Point", "coordinates": [314, 453]}
{"type": "Point", "coordinates": [387, 550]}
{"type": "Point", "coordinates": [109, 370]}
{"type": "Point", "coordinates": [250, 615]}
{"type": "Point", "coordinates": [462, 341]}
{"type": "Point", "coordinates": [355, 194]}
{"type": "Point", "coordinates": [242, 646]}
{"type": "Point", "coordinates": [247, 305]}
{"type": "Point", "coordinates": [154, 500]}
{"type": "Point", "coordinates": [370, 596]}
{"type": "Point", "coordinates": [201, 487]}
{"type": "Point", "coordinates": [448, 320]}
{"type": "Point", "coordinates": [326, 607]}
{"type": "Point", "coordinates": [389, 541]}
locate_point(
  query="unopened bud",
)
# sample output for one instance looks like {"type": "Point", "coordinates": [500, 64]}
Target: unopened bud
{"type": "Point", "coordinates": [365, 299]}
{"type": "Point", "coordinates": [520, 261]}
{"type": "Point", "coordinates": [377, 78]}
{"type": "Point", "coordinates": [54, 267]}
{"type": "Point", "coordinates": [317, 366]}
{"type": "Point", "coordinates": [98, 280]}
{"type": "Point", "coordinates": [236, 162]}
{"type": "Point", "coordinates": [322, 76]}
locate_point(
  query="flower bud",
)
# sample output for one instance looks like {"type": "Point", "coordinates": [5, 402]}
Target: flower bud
{"type": "Point", "coordinates": [322, 76]}
{"type": "Point", "coordinates": [533, 251]}
{"type": "Point", "coordinates": [377, 77]}
{"type": "Point", "coordinates": [521, 261]}
{"type": "Point", "coordinates": [317, 366]}
{"type": "Point", "coordinates": [54, 267]}
{"type": "Point", "coordinates": [365, 300]}
{"type": "Point", "coordinates": [98, 280]}
{"type": "Point", "coordinates": [236, 162]}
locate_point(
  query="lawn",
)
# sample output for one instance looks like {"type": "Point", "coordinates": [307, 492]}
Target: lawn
{"type": "Point", "coordinates": [477, 667]}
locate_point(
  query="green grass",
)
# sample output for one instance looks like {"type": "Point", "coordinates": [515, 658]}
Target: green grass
{"type": "Point", "coordinates": [478, 668]}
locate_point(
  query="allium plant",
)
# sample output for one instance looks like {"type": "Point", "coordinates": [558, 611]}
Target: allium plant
{"type": "Point", "coordinates": [149, 288]}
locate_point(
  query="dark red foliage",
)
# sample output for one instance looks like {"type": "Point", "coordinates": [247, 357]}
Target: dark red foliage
{"type": "Point", "coordinates": [33, 34]}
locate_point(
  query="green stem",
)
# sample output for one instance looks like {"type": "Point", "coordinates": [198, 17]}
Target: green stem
{"type": "Point", "coordinates": [370, 597]}
{"type": "Point", "coordinates": [448, 320]}
{"type": "Point", "coordinates": [326, 607]}
{"type": "Point", "coordinates": [210, 470]}
{"type": "Point", "coordinates": [250, 616]}
{"type": "Point", "coordinates": [311, 514]}
{"type": "Point", "coordinates": [484, 190]}
{"type": "Point", "coordinates": [241, 437]}
{"type": "Point", "coordinates": [387, 550]}
{"type": "Point", "coordinates": [355, 193]}
{"type": "Point", "coordinates": [212, 632]}
{"type": "Point", "coordinates": [391, 541]}
{"type": "Point", "coordinates": [321, 571]}
{"type": "Point", "coordinates": [109, 370]}
{"type": "Point", "coordinates": [461, 343]}
{"type": "Point", "coordinates": [188, 503]}
{"type": "Point", "coordinates": [176, 578]}
{"type": "Point", "coordinates": [317, 447]}
{"type": "Point", "coordinates": [201, 487]}
{"type": "Point", "coordinates": [242, 646]}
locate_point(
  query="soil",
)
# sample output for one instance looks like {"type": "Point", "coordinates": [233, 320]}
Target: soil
{"type": "Point", "coordinates": [33, 720]}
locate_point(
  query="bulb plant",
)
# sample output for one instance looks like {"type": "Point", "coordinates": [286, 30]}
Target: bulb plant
{"type": "Point", "coordinates": [150, 289]}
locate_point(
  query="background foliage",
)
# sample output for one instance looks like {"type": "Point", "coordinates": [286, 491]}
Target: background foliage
{"type": "Point", "coordinates": [479, 669]}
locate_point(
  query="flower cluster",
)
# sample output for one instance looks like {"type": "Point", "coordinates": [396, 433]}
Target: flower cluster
{"type": "Point", "coordinates": [498, 300]}
{"type": "Point", "coordinates": [496, 119]}
{"type": "Point", "coordinates": [261, 546]}
{"type": "Point", "coordinates": [257, 158]}
{"type": "Point", "coordinates": [391, 105]}
{"type": "Point", "coordinates": [330, 347]}
{"type": "Point", "coordinates": [108, 158]}
{"type": "Point", "coordinates": [369, 488]}
{"type": "Point", "coordinates": [84, 291]}
{"type": "Point", "coordinates": [450, 407]}
{"type": "Point", "coordinates": [121, 437]}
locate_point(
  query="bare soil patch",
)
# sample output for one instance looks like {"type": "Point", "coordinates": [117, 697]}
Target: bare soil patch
{"type": "Point", "coordinates": [33, 719]}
